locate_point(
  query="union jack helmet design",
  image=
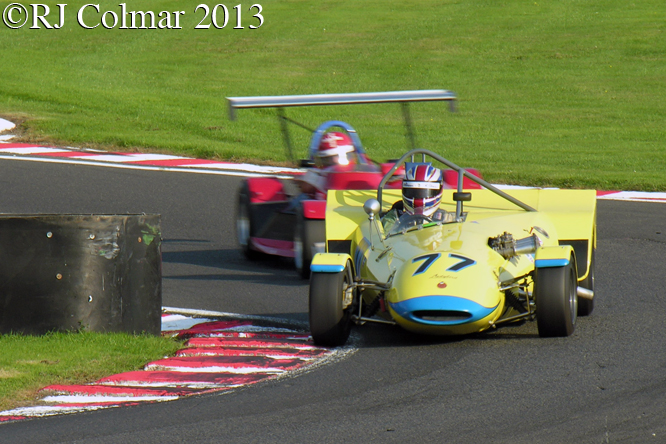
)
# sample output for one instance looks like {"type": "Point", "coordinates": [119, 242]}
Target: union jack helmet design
{"type": "Point", "coordinates": [334, 144]}
{"type": "Point", "coordinates": [422, 189]}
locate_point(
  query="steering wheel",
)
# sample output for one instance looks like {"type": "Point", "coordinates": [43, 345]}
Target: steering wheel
{"type": "Point", "coordinates": [413, 221]}
{"type": "Point", "coordinates": [420, 219]}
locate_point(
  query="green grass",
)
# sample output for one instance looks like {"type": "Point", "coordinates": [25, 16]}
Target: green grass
{"type": "Point", "coordinates": [566, 93]}
{"type": "Point", "coordinates": [29, 363]}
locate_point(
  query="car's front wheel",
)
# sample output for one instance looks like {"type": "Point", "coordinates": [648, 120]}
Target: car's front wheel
{"type": "Point", "coordinates": [244, 227]}
{"type": "Point", "coordinates": [556, 300]}
{"type": "Point", "coordinates": [331, 301]}
{"type": "Point", "coordinates": [306, 235]}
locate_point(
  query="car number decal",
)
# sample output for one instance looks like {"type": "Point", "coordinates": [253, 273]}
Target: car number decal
{"type": "Point", "coordinates": [427, 259]}
{"type": "Point", "coordinates": [464, 262]}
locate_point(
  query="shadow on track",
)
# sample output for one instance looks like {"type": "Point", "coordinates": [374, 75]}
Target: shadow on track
{"type": "Point", "coordinates": [268, 270]}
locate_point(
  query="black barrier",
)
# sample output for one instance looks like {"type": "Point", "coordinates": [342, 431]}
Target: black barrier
{"type": "Point", "coordinates": [68, 272]}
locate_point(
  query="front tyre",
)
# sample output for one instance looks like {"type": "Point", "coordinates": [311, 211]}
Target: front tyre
{"type": "Point", "coordinates": [244, 226]}
{"type": "Point", "coordinates": [556, 300]}
{"type": "Point", "coordinates": [306, 235]}
{"type": "Point", "coordinates": [331, 301]}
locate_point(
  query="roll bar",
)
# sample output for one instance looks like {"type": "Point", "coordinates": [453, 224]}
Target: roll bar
{"type": "Point", "coordinates": [462, 173]}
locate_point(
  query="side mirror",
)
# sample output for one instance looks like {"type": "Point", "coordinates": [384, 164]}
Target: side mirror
{"type": "Point", "coordinates": [462, 197]}
{"type": "Point", "coordinates": [459, 197]}
{"type": "Point", "coordinates": [372, 207]}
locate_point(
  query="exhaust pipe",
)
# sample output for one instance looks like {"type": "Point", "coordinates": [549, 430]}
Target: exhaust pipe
{"type": "Point", "coordinates": [585, 293]}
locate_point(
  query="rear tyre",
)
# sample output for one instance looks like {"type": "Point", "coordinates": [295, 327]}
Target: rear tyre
{"type": "Point", "coordinates": [330, 320]}
{"type": "Point", "coordinates": [244, 226]}
{"type": "Point", "coordinates": [556, 300]}
{"type": "Point", "coordinates": [306, 234]}
{"type": "Point", "coordinates": [586, 306]}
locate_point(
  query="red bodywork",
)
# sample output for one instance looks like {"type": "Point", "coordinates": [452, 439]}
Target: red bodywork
{"type": "Point", "coordinates": [266, 189]}
{"type": "Point", "coordinates": [451, 179]}
{"type": "Point", "coordinates": [270, 189]}
{"type": "Point", "coordinates": [269, 193]}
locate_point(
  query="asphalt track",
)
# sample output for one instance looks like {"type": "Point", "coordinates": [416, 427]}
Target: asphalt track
{"type": "Point", "coordinates": [605, 384]}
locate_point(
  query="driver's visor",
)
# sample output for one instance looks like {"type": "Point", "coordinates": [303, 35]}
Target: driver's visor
{"type": "Point", "coordinates": [420, 190]}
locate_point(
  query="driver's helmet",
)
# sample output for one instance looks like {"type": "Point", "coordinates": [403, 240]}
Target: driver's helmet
{"type": "Point", "coordinates": [333, 150]}
{"type": "Point", "coordinates": [422, 189]}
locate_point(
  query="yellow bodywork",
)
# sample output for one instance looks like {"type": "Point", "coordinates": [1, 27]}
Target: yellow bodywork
{"type": "Point", "coordinates": [453, 262]}
{"type": "Point", "coordinates": [337, 260]}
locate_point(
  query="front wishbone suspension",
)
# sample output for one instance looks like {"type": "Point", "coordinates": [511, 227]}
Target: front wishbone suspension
{"type": "Point", "coordinates": [522, 289]}
{"type": "Point", "coordinates": [360, 285]}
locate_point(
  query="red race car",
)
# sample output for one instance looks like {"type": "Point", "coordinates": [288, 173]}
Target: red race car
{"type": "Point", "coordinates": [286, 217]}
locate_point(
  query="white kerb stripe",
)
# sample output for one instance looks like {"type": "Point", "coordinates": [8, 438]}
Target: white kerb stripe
{"type": "Point", "coordinates": [32, 150]}
{"type": "Point", "coordinates": [67, 399]}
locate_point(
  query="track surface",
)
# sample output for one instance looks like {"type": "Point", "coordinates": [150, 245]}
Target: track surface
{"type": "Point", "coordinates": [605, 384]}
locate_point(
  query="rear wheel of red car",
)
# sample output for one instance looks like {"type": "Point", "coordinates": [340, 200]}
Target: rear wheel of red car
{"type": "Point", "coordinates": [556, 300]}
{"type": "Point", "coordinates": [331, 302]}
{"type": "Point", "coordinates": [244, 227]}
{"type": "Point", "coordinates": [585, 306]}
{"type": "Point", "coordinates": [307, 234]}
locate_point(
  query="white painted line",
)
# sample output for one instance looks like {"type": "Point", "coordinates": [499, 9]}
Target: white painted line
{"type": "Point", "coordinates": [125, 157]}
{"type": "Point", "coordinates": [32, 150]}
{"type": "Point", "coordinates": [250, 353]}
{"type": "Point", "coordinates": [6, 125]}
{"type": "Point", "coordinates": [136, 157]}
{"type": "Point", "coordinates": [216, 369]}
{"type": "Point", "coordinates": [302, 358]}
{"type": "Point", "coordinates": [225, 334]}
{"type": "Point", "coordinates": [245, 167]}
{"type": "Point", "coordinates": [197, 312]}
{"type": "Point", "coordinates": [255, 329]}
{"type": "Point", "coordinates": [520, 187]}
{"type": "Point", "coordinates": [193, 385]}
{"type": "Point", "coordinates": [105, 158]}
{"type": "Point", "coordinates": [74, 399]}
{"type": "Point", "coordinates": [38, 411]}
{"type": "Point", "coordinates": [71, 161]}
{"type": "Point", "coordinates": [177, 323]}
{"type": "Point", "coordinates": [635, 195]}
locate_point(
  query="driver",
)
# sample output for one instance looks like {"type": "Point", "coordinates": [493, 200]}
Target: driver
{"type": "Point", "coordinates": [334, 149]}
{"type": "Point", "coordinates": [422, 190]}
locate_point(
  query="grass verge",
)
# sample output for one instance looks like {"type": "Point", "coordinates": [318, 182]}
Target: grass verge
{"type": "Point", "coordinates": [562, 93]}
{"type": "Point", "coordinates": [29, 363]}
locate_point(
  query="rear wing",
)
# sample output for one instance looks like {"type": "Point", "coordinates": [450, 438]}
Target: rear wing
{"type": "Point", "coordinates": [339, 99]}
{"type": "Point", "coordinates": [281, 102]}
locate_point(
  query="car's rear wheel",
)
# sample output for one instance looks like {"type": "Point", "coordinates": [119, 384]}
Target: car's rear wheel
{"type": "Point", "coordinates": [556, 300]}
{"type": "Point", "coordinates": [306, 234]}
{"type": "Point", "coordinates": [331, 302]}
{"type": "Point", "coordinates": [585, 306]}
{"type": "Point", "coordinates": [244, 226]}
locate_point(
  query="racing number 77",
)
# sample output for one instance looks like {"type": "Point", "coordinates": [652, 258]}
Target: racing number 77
{"type": "Point", "coordinates": [429, 259]}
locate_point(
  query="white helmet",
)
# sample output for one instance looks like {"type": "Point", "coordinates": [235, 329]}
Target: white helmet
{"type": "Point", "coordinates": [333, 149]}
{"type": "Point", "coordinates": [422, 189]}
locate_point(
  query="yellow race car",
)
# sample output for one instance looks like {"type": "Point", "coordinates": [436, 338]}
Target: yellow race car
{"type": "Point", "coordinates": [489, 259]}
